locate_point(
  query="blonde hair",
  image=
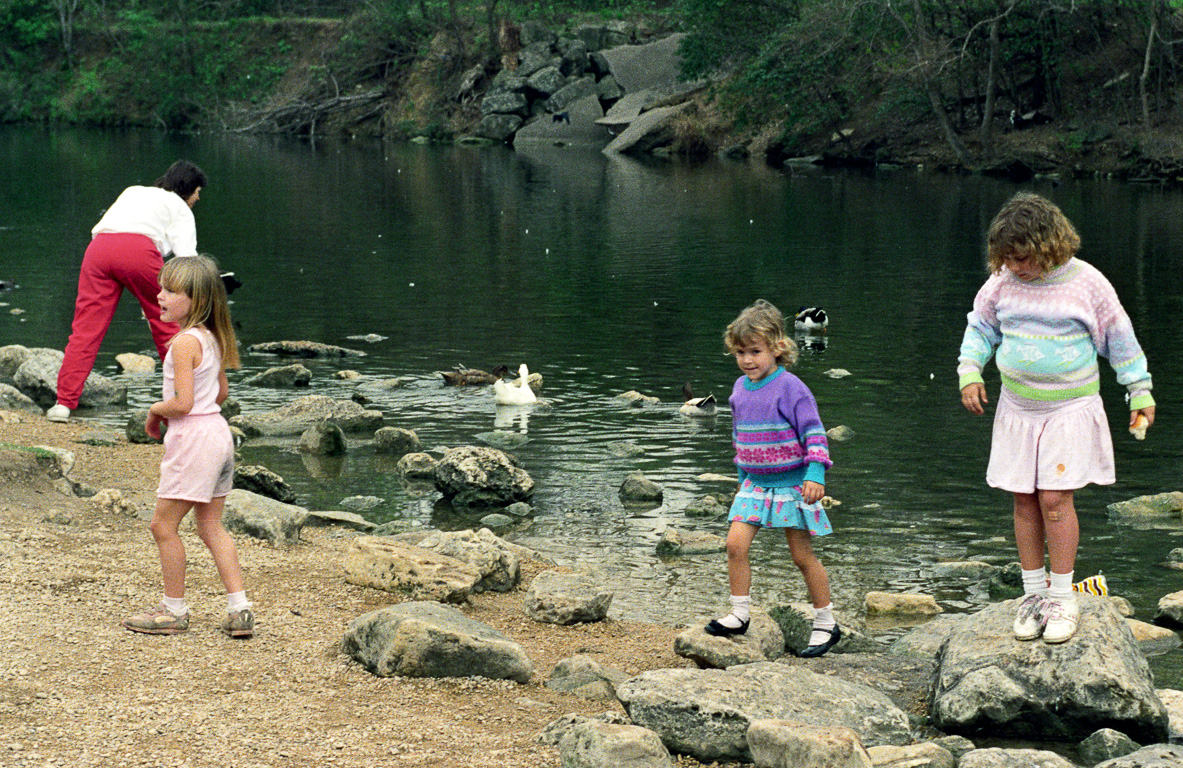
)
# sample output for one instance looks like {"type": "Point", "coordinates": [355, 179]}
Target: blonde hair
{"type": "Point", "coordinates": [762, 321]}
{"type": "Point", "coordinates": [198, 278]}
{"type": "Point", "coordinates": [1031, 225]}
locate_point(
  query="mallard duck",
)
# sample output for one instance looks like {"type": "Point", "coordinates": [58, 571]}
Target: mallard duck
{"type": "Point", "coordinates": [696, 406]}
{"type": "Point", "coordinates": [811, 319]}
{"type": "Point", "coordinates": [518, 393]}
{"type": "Point", "coordinates": [468, 377]}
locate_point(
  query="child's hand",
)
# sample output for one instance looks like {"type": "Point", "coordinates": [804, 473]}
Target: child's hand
{"type": "Point", "coordinates": [973, 397]}
{"type": "Point", "coordinates": [1140, 421]}
{"type": "Point", "coordinates": [152, 425]}
{"type": "Point", "coordinates": [812, 492]}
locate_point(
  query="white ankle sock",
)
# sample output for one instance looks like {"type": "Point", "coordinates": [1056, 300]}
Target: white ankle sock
{"type": "Point", "coordinates": [741, 611]}
{"type": "Point", "coordinates": [1034, 582]}
{"type": "Point", "coordinates": [175, 605]}
{"type": "Point", "coordinates": [236, 601]}
{"type": "Point", "coordinates": [823, 625]}
{"type": "Point", "coordinates": [1061, 588]}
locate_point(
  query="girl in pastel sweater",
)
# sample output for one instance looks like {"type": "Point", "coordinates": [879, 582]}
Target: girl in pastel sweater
{"type": "Point", "coordinates": [1049, 315]}
{"type": "Point", "coordinates": [782, 454]}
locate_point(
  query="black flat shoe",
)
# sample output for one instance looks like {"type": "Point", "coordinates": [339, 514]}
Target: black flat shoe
{"type": "Point", "coordinates": [722, 630]}
{"type": "Point", "coordinates": [813, 651]}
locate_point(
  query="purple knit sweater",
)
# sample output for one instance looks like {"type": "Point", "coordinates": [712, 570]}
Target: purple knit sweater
{"type": "Point", "coordinates": [778, 436]}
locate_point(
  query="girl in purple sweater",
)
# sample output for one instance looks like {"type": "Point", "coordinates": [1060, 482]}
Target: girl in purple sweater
{"type": "Point", "coordinates": [781, 454]}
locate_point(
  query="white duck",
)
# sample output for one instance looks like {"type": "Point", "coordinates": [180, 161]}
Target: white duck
{"type": "Point", "coordinates": [696, 406]}
{"type": "Point", "coordinates": [518, 393]}
{"type": "Point", "coordinates": [811, 319]}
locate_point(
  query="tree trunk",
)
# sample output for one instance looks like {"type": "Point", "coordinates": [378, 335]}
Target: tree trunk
{"type": "Point", "coordinates": [1145, 78]}
{"type": "Point", "coordinates": [986, 133]}
{"type": "Point", "coordinates": [938, 106]}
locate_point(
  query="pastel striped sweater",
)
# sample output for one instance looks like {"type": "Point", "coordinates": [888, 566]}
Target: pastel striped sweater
{"type": "Point", "coordinates": [1048, 333]}
{"type": "Point", "coordinates": [776, 430]}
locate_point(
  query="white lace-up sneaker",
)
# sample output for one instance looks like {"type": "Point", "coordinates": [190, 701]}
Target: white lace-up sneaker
{"type": "Point", "coordinates": [58, 413]}
{"type": "Point", "coordinates": [1029, 621]}
{"type": "Point", "coordinates": [1062, 618]}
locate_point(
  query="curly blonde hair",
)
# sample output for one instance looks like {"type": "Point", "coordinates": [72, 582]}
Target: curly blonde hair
{"type": "Point", "coordinates": [761, 321]}
{"type": "Point", "coordinates": [1031, 225]}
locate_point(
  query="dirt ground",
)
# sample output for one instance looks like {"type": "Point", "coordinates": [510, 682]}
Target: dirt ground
{"type": "Point", "coordinates": [77, 689]}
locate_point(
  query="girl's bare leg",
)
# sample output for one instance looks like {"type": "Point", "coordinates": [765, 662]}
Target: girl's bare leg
{"type": "Point", "coordinates": [166, 522]}
{"type": "Point", "coordinates": [739, 566]}
{"type": "Point", "coordinates": [812, 570]}
{"type": "Point", "coordinates": [1029, 530]}
{"type": "Point", "coordinates": [208, 518]}
{"type": "Point", "coordinates": [1061, 527]}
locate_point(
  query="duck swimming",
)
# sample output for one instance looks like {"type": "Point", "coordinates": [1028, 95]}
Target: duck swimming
{"type": "Point", "coordinates": [468, 377]}
{"type": "Point", "coordinates": [517, 393]}
{"type": "Point", "coordinates": [811, 319]}
{"type": "Point", "coordinates": [696, 406]}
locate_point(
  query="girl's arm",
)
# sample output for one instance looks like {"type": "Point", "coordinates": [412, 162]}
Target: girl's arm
{"type": "Point", "coordinates": [186, 357]}
{"type": "Point", "coordinates": [223, 387]}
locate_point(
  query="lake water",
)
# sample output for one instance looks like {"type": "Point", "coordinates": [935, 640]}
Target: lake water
{"type": "Point", "coordinates": [612, 274]}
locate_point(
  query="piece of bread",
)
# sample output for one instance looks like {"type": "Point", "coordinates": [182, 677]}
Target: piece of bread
{"type": "Point", "coordinates": [1139, 428]}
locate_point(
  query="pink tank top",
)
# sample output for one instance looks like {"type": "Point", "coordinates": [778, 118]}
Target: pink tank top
{"type": "Point", "coordinates": [205, 376]}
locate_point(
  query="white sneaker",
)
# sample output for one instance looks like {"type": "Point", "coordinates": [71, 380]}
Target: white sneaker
{"type": "Point", "coordinates": [1062, 618]}
{"type": "Point", "coordinates": [1029, 621]}
{"type": "Point", "coordinates": [58, 413]}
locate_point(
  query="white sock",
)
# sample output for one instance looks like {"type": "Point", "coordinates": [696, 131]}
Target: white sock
{"type": "Point", "coordinates": [741, 611]}
{"type": "Point", "coordinates": [823, 625]}
{"type": "Point", "coordinates": [175, 605]}
{"type": "Point", "coordinates": [1061, 588]}
{"type": "Point", "coordinates": [236, 601]}
{"type": "Point", "coordinates": [1034, 582]}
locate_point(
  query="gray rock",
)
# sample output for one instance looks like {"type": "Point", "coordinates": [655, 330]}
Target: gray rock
{"type": "Point", "coordinates": [1149, 511]}
{"type": "Point", "coordinates": [263, 518]}
{"type": "Point", "coordinates": [1152, 639]}
{"type": "Point", "coordinates": [796, 622]}
{"type": "Point", "coordinates": [675, 543]}
{"type": "Point", "coordinates": [840, 433]}
{"type": "Point", "coordinates": [604, 745]}
{"type": "Point", "coordinates": [263, 481]}
{"type": "Point", "coordinates": [635, 399]}
{"type": "Point", "coordinates": [547, 80]}
{"type": "Point", "coordinates": [230, 408]}
{"type": "Point", "coordinates": [1175, 556]}
{"type": "Point", "coordinates": [567, 598]}
{"type": "Point", "coordinates": [1170, 609]}
{"type": "Point", "coordinates": [762, 642]}
{"type": "Point", "coordinates": [648, 130]}
{"type": "Point", "coordinates": [36, 377]}
{"type": "Point", "coordinates": [653, 66]}
{"type": "Point", "coordinates": [971, 570]}
{"type": "Point", "coordinates": [607, 89]}
{"type": "Point", "coordinates": [502, 440]}
{"type": "Point", "coordinates": [533, 58]}
{"type": "Point", "coordinates": [12, 356]}
{"type": "Point", "coordinates": [498, 127]}
{"type": "Point", "coordinates": [534, 32]}
{"type": "Point", "coordinates": [556, 729]}
{"type": "Point", "coordinates": [1173, 701]}
{"type": "Point", "coordinates": [130, 362]}
{"type": "Point", "coordinates": [323, 439]}
{"type": "Point", "coordinates": [417, 466]}
{"type": "Point", "coordinates": [956, 745]}
{"type": "Point", "coordinates": [989, 682]}
{"type": "Point", "coordinates": [707, 506]}
{"type": "Point", "coordinates": [1154, 756]}
{"type": "Point", "coordinates": [497, 521]}
{"type": "Point", "coordinates": [637, 489]}
{"type": "Point", "coordinates": [1012, 758]}
{"type": "Point", "coordinates": [492, 557]}
{"type": "Point", "coordinates": [134, 429]}
{"type": "Point", "coordinates": [361, 503]}
{"type": "Point", "coordinates": [705, 713]}
{"type": "Point", "coordinates": [505, 103]}
{"type": "Point", "coordinates": [425, 639]}
{"type": "Point", "coordinates": [593, 36]}
{"type": "Point", "coordinates": [624, 449]}
{"type": "Point", "coordinates": [900, 604]}
{"type": "Point", "coordinates": [787, 744]}
{"type": "Point", "coordinates": [1105, 744]}
{"type": "Point", "coordinates": [294, 375]}
{"type": "Point", "coordinates": [926, 639]}
{"type": "Point", "coordinates": [507, 81]}
{"type": "Point", "coordinates": [520, 509]}
{"type": "Point", "coordinates": [586, 678]}
{"type": "Point", "coordinates": [397, 441]}
{"type": "Point", "coordinates": [569, 94]}
{"type": "Point", "coordinates": [307, 349]}
{"type": "Point", "coordinates": [331, 517]}
{"type": "Point", "coordinates": [472, 476]}
{"type": "Point", "coordinates": [303, 412]}
{"type": "Point", "coordinates": [923, 755]}
{"type": "Point", "coordinates": [404, 569]}
{"type": "Point", "coordinates": [99, 437]}
{"type": "Point", "coordinates": [12, 399]}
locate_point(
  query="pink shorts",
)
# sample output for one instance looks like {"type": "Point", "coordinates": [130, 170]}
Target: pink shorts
{"type": "Point", "coordinates": [1051, 446]}
{"type": "Point", "coordinates": [198, 462]}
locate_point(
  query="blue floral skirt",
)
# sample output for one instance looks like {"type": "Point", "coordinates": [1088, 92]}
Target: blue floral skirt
{"type": "Point", "coordinates": [778, 507]}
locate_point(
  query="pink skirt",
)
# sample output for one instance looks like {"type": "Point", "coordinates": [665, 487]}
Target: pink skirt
{"type": "Point", "coordinates": [1051, 446]}
{"type": "Point", "coordinates": [198, 462]}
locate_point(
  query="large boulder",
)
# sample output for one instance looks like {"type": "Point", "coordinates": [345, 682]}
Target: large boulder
{"type": "Point", "coordinates": [762, 642]}
{"type": "Point", "coordinates": [280, 377]}
{"type": "Point", "coordinates": [323, 439]}
{"type": "Point", "coordinates": [263, 518]}
{"type": "Point", "coordinates": [1154, 756]}
{"type": "Point", "coordinates": [12, 399]}
{"type": "Point", "coordinates": [1158, 510]}
{"type": "Point", "coordinates": [786, 744]}
{"type": "Point", "coordinates": [304, 412]}
{"type": "Point", "coordinates": [472, 476]}
{"type": "Point", "coordinates": [989, 682]}
{"type": "Point", "coordinates": [258, 479]}
{"type": "Point", "coordinates": [498, 565]}
{"type": "Point", "coordinates": [706, 713]}
{"type": "Point", "coordinates": [593, 744]}
{"type": "Point", "coordinates": [567, 598]}
{"type": "Point", "coordinates": [37, 378]}
{"type": "Point", "coordinates": [404, 569]}
{"type": "Point", "coordinates": [997, 757]}
{"type": "Point", "coordinates": [585, 677]}
{"type": "Point", "coordinates": [1170, 609]}
{"type": "Point", "coordinates": [427, 639]}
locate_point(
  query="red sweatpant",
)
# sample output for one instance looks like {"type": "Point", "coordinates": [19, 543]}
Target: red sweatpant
{"type": "Point", "coordinates": [112, 262]}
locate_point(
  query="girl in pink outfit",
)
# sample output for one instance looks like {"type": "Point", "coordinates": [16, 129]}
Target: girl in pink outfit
{"type": "Point", "coordinates": [1050, 316]}
{"type": "Point", "coordinates": [197, 471]}
{"type": "Point", "coordinates": [142, 226]}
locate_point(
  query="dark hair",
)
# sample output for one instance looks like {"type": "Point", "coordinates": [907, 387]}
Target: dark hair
{"type": "Point", "coordinates": [183, 178]}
